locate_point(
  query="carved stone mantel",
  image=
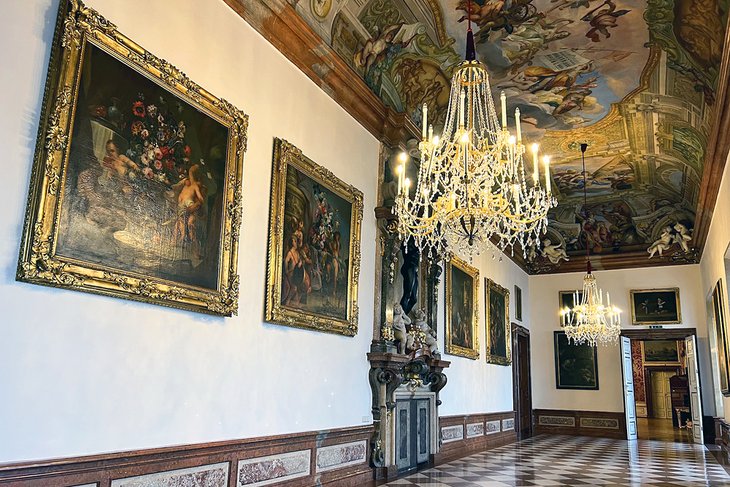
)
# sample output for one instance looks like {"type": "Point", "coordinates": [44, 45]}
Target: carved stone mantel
{"type": "Point", "coordinates": [389, 371]}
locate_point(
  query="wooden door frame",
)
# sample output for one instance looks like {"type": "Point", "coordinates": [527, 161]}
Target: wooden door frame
{"type": "Point", "coordinates": [520, 331]}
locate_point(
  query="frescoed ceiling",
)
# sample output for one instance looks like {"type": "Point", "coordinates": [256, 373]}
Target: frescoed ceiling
{"type": "Point", "coordinates": [637, 80]}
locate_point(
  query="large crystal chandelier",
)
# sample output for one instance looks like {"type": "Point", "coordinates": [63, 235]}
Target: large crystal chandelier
{"type": "Point", "coordinates": [589, 321]}
{"type": "Point", "coordinates": [471, 186]}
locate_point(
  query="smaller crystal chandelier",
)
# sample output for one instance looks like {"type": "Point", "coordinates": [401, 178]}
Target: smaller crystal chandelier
{"type": "Point", "coordinates": [589, 321]}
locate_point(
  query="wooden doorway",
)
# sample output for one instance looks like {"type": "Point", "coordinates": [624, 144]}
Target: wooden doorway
{"type": "Point", "coordinates": [521, 379]}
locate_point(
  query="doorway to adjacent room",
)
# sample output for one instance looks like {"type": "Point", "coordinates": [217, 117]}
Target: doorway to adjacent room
{"type": "Point", "coordinates": [661, 385]}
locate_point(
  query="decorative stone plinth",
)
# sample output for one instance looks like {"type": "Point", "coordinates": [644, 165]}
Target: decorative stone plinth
{"type": "Point", "coordinates": [389, 372]}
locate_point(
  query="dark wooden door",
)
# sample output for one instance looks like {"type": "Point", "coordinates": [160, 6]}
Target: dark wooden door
{"type": "Point", "coordinates": [412, 433]}
{"type": "Point", "coordinates": [521, 378]}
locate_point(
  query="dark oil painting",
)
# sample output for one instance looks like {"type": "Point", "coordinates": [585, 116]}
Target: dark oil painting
{"type": "Point", "coordinates": [462, 308]}
{"type": "Point", "coordinates": [316, 247]}
{"type": "Point", "coordinates": [145, 178]}
{"type": "Point", "coordinates": [655, 306]}
{"type": "Point", "coordinates": [497, 325]}
{"type": "Point", "coordinates": [720, 322]}
{"type": "Point", "coordinates": [576, 366]}
{"type": "Point", "coordinates": [661, 351]}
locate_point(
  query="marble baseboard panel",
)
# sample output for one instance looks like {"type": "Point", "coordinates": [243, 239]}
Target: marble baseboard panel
{"type": "Point", "coordinates": [337, 457]}
{"type": "Point", "coordinates": [466, 434]}
{"type": "Point", "coordinates": [580, 423]}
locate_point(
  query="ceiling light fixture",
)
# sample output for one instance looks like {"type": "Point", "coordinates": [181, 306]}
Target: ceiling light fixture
{"type": "Point", "coordinates": [589, 321]}
{"type": "Point", "coordinates": [471, 188]}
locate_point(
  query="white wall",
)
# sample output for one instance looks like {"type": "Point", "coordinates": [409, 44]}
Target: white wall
{"type": "Point", "coordinates": [713, 263]}
{"type": "Point", "coordinates": [475, 386]}
{"type": "Point", "coordinates": [545, 320]}
{"type": "Point", "coordinates": [83, 374]}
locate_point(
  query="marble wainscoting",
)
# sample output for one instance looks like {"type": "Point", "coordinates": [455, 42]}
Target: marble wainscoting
{"type": "Point", "coordinates": [464, 435]}
{"type": "Point", "coordinates": [580, 423]}
{"type": "Point", "coordinates": [337, 457]}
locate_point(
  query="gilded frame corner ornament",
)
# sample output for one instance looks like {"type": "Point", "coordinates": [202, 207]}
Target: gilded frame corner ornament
{"type": "Point", "coordinates": [450, 347]}
{"type": "Point", "coordinates": [287, 155]}
{"type": "Point", "coordinates": [77, 26]}
{"type": "Point", "coordinates": [492, 287]}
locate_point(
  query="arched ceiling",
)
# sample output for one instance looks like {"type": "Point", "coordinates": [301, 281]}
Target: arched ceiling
{"type": "Point", "coordinates": [635, 79]}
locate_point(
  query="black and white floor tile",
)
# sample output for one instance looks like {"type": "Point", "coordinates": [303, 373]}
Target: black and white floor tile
{"type": "Point", "coordinates": [567, 461]}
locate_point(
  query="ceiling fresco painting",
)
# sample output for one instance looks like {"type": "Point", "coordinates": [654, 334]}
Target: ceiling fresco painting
{"type": "Point", "coordinates": [634, 79]}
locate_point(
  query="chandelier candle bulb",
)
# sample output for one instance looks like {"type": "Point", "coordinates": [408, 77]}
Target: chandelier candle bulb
{"type": "Point", "coordinates": [546, 161]}
{"type": "Point", "coordinates": [425, 120]}
{"type": "Point", "coordinates": [430, 136]}
{"type": "Point", "coordinates": [399, 170]}
{"type": "Point", "coordinates": [535, 165]}
{"type": "Point", "coordinates": [518, 125]}
{"type": "Point", "coordinates": [503, 102]}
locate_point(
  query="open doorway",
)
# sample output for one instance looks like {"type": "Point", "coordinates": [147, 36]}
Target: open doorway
{"type": "Point", "coordinates": [522, 380]}
{"type": "Point", "coordinates": [660, 368]}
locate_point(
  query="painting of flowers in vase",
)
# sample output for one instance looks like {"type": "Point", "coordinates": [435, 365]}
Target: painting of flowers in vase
{"type": "Point", "coordinates": [145, 178]}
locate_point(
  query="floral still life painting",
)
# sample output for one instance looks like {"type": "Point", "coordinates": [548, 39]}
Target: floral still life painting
{"type": "Point", "coordinates": [141, 182]}
{"type": "Point", "coordinates": [314, 246]}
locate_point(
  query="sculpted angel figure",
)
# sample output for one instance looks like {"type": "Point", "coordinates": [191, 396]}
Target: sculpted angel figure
{"type": "Point", "coordinates": [553, 252]}
{"type": "Point", "coordinates": [376, 49]}
{"type": "Point", "coordinates": [400, 332]}
{"type": "Point", "coordinates": [662, 243]}
{"type": "Point", "coordinates": [429, 335]}
{"type": "Point", "coordinates": [682, 236]}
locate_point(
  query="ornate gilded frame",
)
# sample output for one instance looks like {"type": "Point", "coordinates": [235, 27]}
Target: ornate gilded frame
{"type": "Point", "coordinates": [473, 272]}
{"type": "Point", "coordinates": [634, 320]}
{"type": "Point", "coordinates": [76, 27]}
{"type": "Point", "coordinates": [489, 288]}
{"type": "Point", "coordinates": [286, 155]}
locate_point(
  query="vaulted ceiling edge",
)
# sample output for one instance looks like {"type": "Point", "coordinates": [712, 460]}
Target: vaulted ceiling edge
{"type": "Point", "coordinates": [643, 82]}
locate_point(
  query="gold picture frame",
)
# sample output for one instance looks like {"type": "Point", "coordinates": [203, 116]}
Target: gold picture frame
{"type": "Point", "coordinates": [85, 45]}
{"type": "Point", "coordinates": [498, 331]}
{"type": "Point", "coordinates": [460, 276]}
{"type": "Point", "coordinates": [309, 207]}
{"type": "Point", "coordinates": [655, 306]}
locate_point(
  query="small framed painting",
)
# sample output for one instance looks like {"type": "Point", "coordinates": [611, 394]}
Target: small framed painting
{"type": "Point", "coordinates": [462, 288]}
{"type": "Point", "coordinates": [518, 303]}
{"type": "Point", "coordinates": [497, 323]}
{"type": "Point", "coordinates": [655, 306]}
{"type": "Point", "coordinates": [660, 352]}
{"type": "Point", "coordinates": [576, 366]}
{"type": "Point", "coordinates": [314, 245]}
{"type": "Point", "coordinates": [720, 322]}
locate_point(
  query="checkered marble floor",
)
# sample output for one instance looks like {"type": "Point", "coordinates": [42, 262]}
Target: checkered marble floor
{"type": "Point", "coordinates": [566, 460]}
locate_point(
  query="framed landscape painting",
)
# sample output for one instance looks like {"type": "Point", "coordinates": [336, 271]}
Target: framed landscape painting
{"type": "Point", "coordinates": [721, 332]}
{"type": "Point", "coordinates": [136, 183]}
{"type": "Point", "coordinates": [576, 366]}
{"type": "Point", "coordinates": [655, 307]}
{"type": "Point", "coordinates": [314, 245]}
{"type": "Point", "coordinates": [660, 352]}
{"type": "Point", "coordinates": [462, 291]}
{"type": "Point", "coordinates": [497, 323]}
